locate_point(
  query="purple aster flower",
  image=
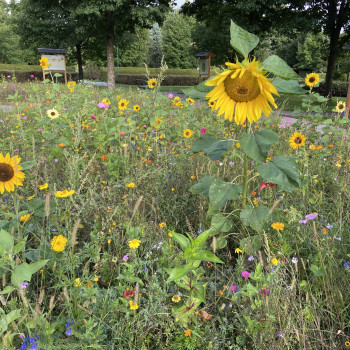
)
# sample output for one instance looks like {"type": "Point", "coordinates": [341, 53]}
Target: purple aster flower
{"type": "Point", "coordinates": [125, 257]}
{"type": "Point", "coordinates": [33, 347]}
{"type": "Point", "coordinates": [232, 163]}
{"type": "Point", "coordinates": [24, 285]}
{"type": "Point", "coordinates": [251, 258]}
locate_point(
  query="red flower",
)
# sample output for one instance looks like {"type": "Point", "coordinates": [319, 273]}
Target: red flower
{"type": "Point", "coordinates": [266, 184]}
{"type": "Point", "coordinates": [129, 293]}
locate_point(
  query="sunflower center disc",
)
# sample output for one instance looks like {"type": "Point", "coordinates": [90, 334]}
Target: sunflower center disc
{"type": "Point", "coordinates": [242, 89]}
{"type": "Point", "coordinates": [53, 114]}
{"type": "Point", "coordinates": [6, 172]}
{"type": "Point", "coordinates": [298, 140]}
{"type": "Point", "coordinates": [312, 80]}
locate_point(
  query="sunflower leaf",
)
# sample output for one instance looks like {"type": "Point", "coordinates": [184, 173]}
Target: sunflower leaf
{"type": "Point", "coordinates": [255, 217]}
{"type": "Point", "coordinates": [220, 192]}
{"type": "Point", "coordinates": [287, 87]}
{"type": "Point", "coordinates": [241, 40]}
{"type": "Point", "coordinates": [202, 187]}
{"type": "Point", "coordinates": [257, 145]}
{"type": "Point", "coordinates": [282, 171]}
{"type": "Point", "coordinates": [279, 67]}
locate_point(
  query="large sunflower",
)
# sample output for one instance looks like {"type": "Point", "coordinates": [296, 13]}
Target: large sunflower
{"type": "Point", "coordinates": [242, 92]}
{"type": "Point", "coordinates": [44, 62]}
{"type": "Point", "coordinates": [10, 174]}
{"type": "Point", "coordinates": [312, 79]}
{"type": "Point", "coordinates": [297, 140]}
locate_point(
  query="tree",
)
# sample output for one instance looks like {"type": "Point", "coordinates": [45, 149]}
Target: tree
{"type": "Point", "coordinates": [177, 42]}
{"type": "Point", "coordinates": [155, 48]}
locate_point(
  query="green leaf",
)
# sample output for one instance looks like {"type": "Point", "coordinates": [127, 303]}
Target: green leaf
{"type": "Point", "coordinates": [33, 268]}
{"type": "Point", "coordinates": [199, 91]}
{"type": "Point", "coordinates": [7, 290]}
{"type": "Point", "coordinates": [27, 165]}
{"type": "Point", "coordinates": [257, 145]}
{"type": "Point", "coordinates": [287, 87]}
{"type": "Point", "coordinates": [241, 40]}
{"type": "Point", "coordinates": [35, 204]}
{"type": "Point", "coordinates": [221, 242]}
{"type": "Point", "coordinates": [213, 147]}
{"type": "Point", "coordinates": [282, 171]}
{"type": "Point", "coordinates": [220, 192]}
{"type": "Point", "coordinates": [251, 290]}
{"type": "Point", "coordinates": [6, 241]}
{"type": "Point", "coordinates": [279, 67]}
{"type": "Point", "coordinates": [220, 223]}
{"type": "Point", "coordinates": [182, 240]}
{"type": "Point", "coordinates": [317, 271]}
{"type": "Point", "coordinates": [178, 271]}
{"type": "Point", "coordinates": [255, 217]}
{"type": "Point", "coordinates": [202, 238]}
{"type": "Point", "coordinates": [199, 291]}
{"type": "Point", "coordinates": [57, 75]}
{"type": "Point", "coordinates": [205, 255]}
{"type": "Point", "coordinates": [4, 223]}
{"type": "Point", "coordinates": [20, 246]}
{"type": "Point", "coordinates": [25, 271]}
{"type": "Point", "coordinates": [202, 187]}
{"type": "Point", "coordinates": [251, 244]}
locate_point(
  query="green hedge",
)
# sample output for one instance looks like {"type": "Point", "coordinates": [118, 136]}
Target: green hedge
{"type": "Point", "coordinates": [23, 76]}
{"type": "Point", "coordinates": [339, 88]}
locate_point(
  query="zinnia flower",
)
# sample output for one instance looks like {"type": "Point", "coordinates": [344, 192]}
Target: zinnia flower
{"type": "Point", "coordinates": [10, 174]}
{"type": "Point", "coordinates": [312, 79]}
{"type": "Point", "coordinates": [134, 244]}
{"type": "Point", "coordinates": [58, 243]}
{"type": "Point", "coordinates": [187, 332]}
{"type": "Point", "coordinates": [152, 83]}
{"type": "Point", "coordinates": [297, 140]}
{"type": "Point", "coordinates": [245, 274]}
{"type": "Point", "coordinates": [278, 226]}
{"type": "Point", "coordinates": [242, 92]}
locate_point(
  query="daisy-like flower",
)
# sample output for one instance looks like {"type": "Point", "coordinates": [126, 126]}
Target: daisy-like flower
{"type": "Point", "coordinates": [128, 293]}
{"type": "Point", "coordinates": [25, 218]}
{"type": "Point", "coordinates": [190, 101]}
{"type": "Point", "coordinates": [106, 101]}
{"type": "Point", "coordinates": [245, 274]}
{"type": "Point", "coordinates": [134, 244]}
{"type": "Point", "coordinates": [133, 306]}
{"type": "Point", "coordinates": [278, 226]}
{"type": "Point", "coordinates": [274, 261]}
{"type": "Point", "coordinates": [242, 92]}
{"type": "Point", "coordinates": [10, 174]}
{"type": "Point", "coordinates": [176, 298]}
{"type": "Point", "coordinates": [130, 185]}
{"type": "Point", "coordinates": [44, 63]}
{"type": "Point", "coordinates": [340, 107]}
{"type": "Point", "coordinates": [152, 83]}
{"type": "Point", "coordinates": [162, 224]}
{"type": "Point", "coordinates": [43, 187]}
{"type": "Point", "coordinates": [187, 333]}
{"type": "Point", "coordinates": [58, 243]}
{"type": "Point", "coordinates": [53, 113]}
{"type": "Point", "coordinates": [77, 283]}
{"type": "Point", "coordinates": [312, 79]}
{"type": "Point", "coordinates": [188, 133]}
{"type": "Point", "coordinates": [237, 251]}
{"type": "Point", "coordinates": [297, 140]}
{"type": "Point", "coordinates": [64, 193]}
{"type": "Point", "coordinates": [123, 104]}
{"type": "Point", "coordinates": [71, 84]}
{"type": "Point", "coordinates": [136, 108]}
{"type": "Point", "coordinates": [212, 104]}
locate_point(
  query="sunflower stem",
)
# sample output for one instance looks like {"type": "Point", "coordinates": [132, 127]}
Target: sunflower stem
{"type": "Point", "coordinates": [245, 177]}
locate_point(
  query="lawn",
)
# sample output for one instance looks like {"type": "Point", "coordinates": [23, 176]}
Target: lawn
{"type": "Point", "coordinates": [135, 220]}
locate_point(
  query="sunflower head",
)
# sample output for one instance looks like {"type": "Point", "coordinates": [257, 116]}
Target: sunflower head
{"type": "Point", "coordinates": [297, 140]}
{"type": "Point", "coordinates": [242, 92]}
{"type": "Point", "coordinates": [312, 79]}
{"type": "Point", "coordinates": [152, 83]}
{"type": "Point", "coordinates": [340, 107]}
{"type": "Point", "coordinates": [53, 113]}
{"type": "Point", "coordinates": [188, 133]}
{"type": "Point", "coordinates": [44, 63]}
{"type": "Point", "coordinates": [123, 104]}
{"type": "Point", "coordinates": [10, 174]}
{"type": "Point", "coordinates": [136, 108]}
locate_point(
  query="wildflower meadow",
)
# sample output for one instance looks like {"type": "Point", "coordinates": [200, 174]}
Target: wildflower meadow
{"type": "Point", "coordinates": [135, 219]}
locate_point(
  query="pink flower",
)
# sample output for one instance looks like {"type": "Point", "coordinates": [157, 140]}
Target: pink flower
{"type": "Point", "coordinates": [93, 117]}
{"type": "Point", "coordinates": [32, 75]}
{"type": "Point", "coordinates": [203, 131]}
{"type": "Point", "coordinates": [266, 184]}
{"type": "Point", "coordinates": [233, 288]}
{"type": "Point", "coordinates": [16, 150]}
{"type": "Point", "coordinates": [121, 132]}
{"type": "Point", "coordinates": [265, 292]}
{"type": "Point", "coordinates": [25, 117]}
{"type": "Point", "coordinates": [170, 95]}
{"type": "Point", "coordinates": [13, 85]}
{"type": "Point", "coordinates": [246, 274]}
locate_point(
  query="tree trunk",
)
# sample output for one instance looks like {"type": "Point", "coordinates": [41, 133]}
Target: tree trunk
{"type": "Point", "coordinates": [332, 57]}
{"type": "Point", "coordinates": [80, 61]}
{"type": "Point", "coordinates": [110, 58]}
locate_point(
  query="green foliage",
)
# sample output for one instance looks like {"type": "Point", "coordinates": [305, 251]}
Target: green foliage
{"type": "Point", "coordinates": [155, 53]}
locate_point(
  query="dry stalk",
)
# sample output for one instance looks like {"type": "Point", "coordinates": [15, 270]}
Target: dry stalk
{"type": "Point", "coordinates": [74, 232]}
{"type": "Point", "coordinates": [136, 207]}
{"type": "Point", "coordinates": [47, 205]}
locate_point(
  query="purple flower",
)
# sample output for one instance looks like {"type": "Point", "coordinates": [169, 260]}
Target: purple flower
{"type": "Point", "coordinates": [25, 117]}
{"type": "Point", "coordinates": [16, 150]}
{"type": "Point", "coordinates": [13, 85]}
{"type": "Point", "coordinates": [102, 105]}
{"type": "Point", "coordinates": [251, 258]}
{"type": "Point", "coordinates": [234, 288]}
{"type": "Point", "coordinates": [41, 129]}
{"type": "Point", "coordinates": [32, 75]}
{"type": "Point", "coordinates": [203, 131]}
{"type": "Point", "coordinates": [246, 274]}
{"type": "Point", "coordinates": [232, 163]}
{"type": "Point", "coordinates": [24, 285]}
{"type": "Point", "coordinates": [294, 260]}
{"type": "Point", "coordinates": [265, 292]}
{"type": "Point", "coordinates": [68, 332]}
{"type": "Point", "coordinates": [308, 217]}
{"type": "Point", "coordinates": [125, 257]}
{"type": "Point", "coordinates": [282, 126]}
{"type": "Point", "coordinates": [346, 265]}
{"type": "Point", "coordinates": [170, 95]}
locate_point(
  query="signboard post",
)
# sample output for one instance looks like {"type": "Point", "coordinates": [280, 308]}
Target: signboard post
{"type": "Point", "coordinates": [57, 60]}
{"type": "Point", "coordinates": [204, 64]}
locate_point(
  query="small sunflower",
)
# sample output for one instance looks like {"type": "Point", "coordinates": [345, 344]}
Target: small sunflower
{"type": "Point", "coordinates": [340, 107]}
{"type": "Point", "coordinates": [136, 108]}
{"type": "Point", "coordinates": [297, 140]}
{"type": "Point", "coordinates": [106, 101]}
{"type": "Point", "coordinates": [152, 83]}
{"type": "Point", "coordinates": [53, 113]}
{"type": "Point", "coordinates": [242, 92]}
{"type": "Point", "coordinates": [190, 101]}
{"type": "Point", "coordinates": [10, 174]}
{"type": "Point", "coordinates": [123, 104]}
{"type": "Point", "coordinates": [71, 84]}
{"type": "Point", "coordinates": [312, 79]}
{"type": "Point", "coordinates": [176, 298]}
{"type": "Point", "coordinates": [188, 133]}
{"type": "Point", "coordinates": [44, 63]}
{"type": "Point", "coordinates": [212, 104]}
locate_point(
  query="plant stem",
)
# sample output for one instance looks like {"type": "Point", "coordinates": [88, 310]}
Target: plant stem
{"type": "Point", "coordinates": [245, 177]}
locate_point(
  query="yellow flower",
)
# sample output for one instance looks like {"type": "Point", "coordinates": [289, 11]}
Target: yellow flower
{"type": "Point", "coordinates": [10, 174]}
{"type": "Point", "coordinates": [187, 332]}
{"type": "Point", "coordinates": [123, 104]}
{"type": "Point", "coordinates": [58, 243]}
{"type": "Point", "coordinates": [44, 62]}
{"type": "Point", "coordinates": [43, 187]}
{"type": "Point", "coordinates": [64, 193]}
{"type": "Point", "coordinates": [188, 133]}
{"type": "Point", "coordinates": [134, 244]}
{"type": "Point", "coordinates": [238, 145]}
{"type": "Point", "coordinates": [133, 306]}
{"type": "Point", "coordinates": [106, 101]}
{"type": "Point", "coordinates": [170, 234]}
{"type": "Point", "coordinates": [190, 101]}
{"type": "Point", "coordinates": [71, 84]}
{"type": "Point", "coordinates": [212, 104]}
{"type": "Point", "coordinates": [312, 147]}
{"type": "Point", "coordinates": [152, 83]}
{"type": "Point", "coordinates": [30, 198]}
{"type": "Point", "coordinates": [131, 185]}
{"type": "Point", "coordinates": [25, 218]}
{"type": "Point", "coordinates": [340, 107]}
{"type": "Point", "coordinates": [278, 226]}
{"type": "Point", "coordinates": [297, 140]}
{"type": "Point", "coordinates": [52, 113]}
{"type": "Point", "coordinates": [237, 250]}
{"type": "Point", "coordinates": [77, 283]}
{"type": "Point", "coordinates": [162, 224]}
{"type": "Point", "coordinates": [242, 92]}
{"type": "Point", "coordinates": [136, 108]}
{"type": "Point", "coordinates": [274, 261]}
{"type": "Point", "coordinates": [312, 79]}
{"type": "Point", "coordinates": [176, 298]}
{"type": "Point", "coordinates": [96, 278]}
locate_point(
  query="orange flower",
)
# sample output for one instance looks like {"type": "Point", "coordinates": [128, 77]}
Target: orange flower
{"type": "Point", "coordinates": [324, 230]}
{"type": "Point", "coordinates": [253, 193]}
{"type": "Point", "coordinates": [187, 332]}
{"type": "Point", "coordinates": [104, 158]}
{"type": "Point", "coordinates": [61, 145]}
{"type": "Point", "coordinates": [221, 292]}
